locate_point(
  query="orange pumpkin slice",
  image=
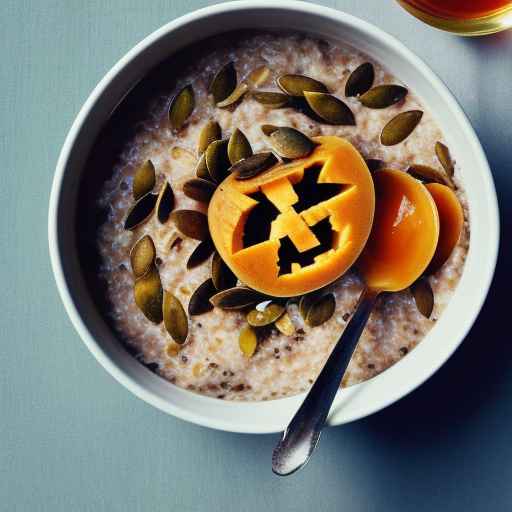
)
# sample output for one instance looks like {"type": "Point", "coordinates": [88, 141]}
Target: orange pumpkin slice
{"type": "Point", "coordinates": [451, 220]}
{"type": "Point", "coordinates": [299, 226]}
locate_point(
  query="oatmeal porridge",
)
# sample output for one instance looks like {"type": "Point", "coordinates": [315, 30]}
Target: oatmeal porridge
{"type": "Point", "coordinates": [153, 258]}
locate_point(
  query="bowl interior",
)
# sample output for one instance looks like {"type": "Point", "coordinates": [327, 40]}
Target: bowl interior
{"type": "Point", "coordinates": [351, 403]}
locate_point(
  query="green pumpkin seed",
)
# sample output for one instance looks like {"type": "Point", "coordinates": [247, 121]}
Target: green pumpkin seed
{"type": "Point", "coordinates": [383, 96]}
{"type": "Point", "coordinates": [331, 109]}
{"type": "Point", "coordinates": [427, 174]}
{"type": "Point", "coordinates": [360, 80]}
{"type": "Point", "coordinates": [268, 316]}
{"type": "Point", "coordinates": [400, 127]}
{"type": "Point", "coordinates": [248, 341]}
{"type": "Point", "coordinates": [258, 76]}
{"type": "Point", "coordinates": [236, 298]}
{"type": "Point", "coordinates": [234, 97]}
{"type": "Point", "coordinates": [144, 180]}
{"type": "Point", "coordinates": [148, 294]}
{"type": "Point", "coordinates": [191, 223]}
{"type": "Point", "coordinates": [305, 303]}
{"type": "Point", "coordinates": [290, 143]}
{"type": "Point", "coordinates": [141, 211]}
{"type": "Point", "coordinates": [142, 256]}
{"type": "Point", "coordinates": [211, 131]}
{"type": "Point", "coordinates": [444, 157]}
{"type": "Point", "coordinates": [200, 301]}
{"type": "Point", "coordinates": [374, 164]}
{"type": "Point", "coordinates": [200, 254]}
{"type": "Point", "coordinates": [285, 325]}
{"type": "Point", "coordinates": [423, 296]}
{"type": "Point", "coordinates": [164, 203]}
{"type": "Point", "coordinates": [254, 165]}
{"type": "Point", "coordinates": [199, 189]}
{"type": "Point", "coordinates": [268, 129]}
{"type": "Point", "coordinates": [222, 276]}
{"type": "Point", "coordinates": [272, 99]}
{"type": "Point", "coordinates": [181, 107]}
{"type": "Point", "coordinates": [223, 83]}
{"type": "Point", "coordinates": [217, 160]}
{"type": "Point", "coordinates": [238, 147]}
{"type": "Point", "coordinates": [201, 169]}
{"type": "Point", "coordinates": [321, 310]}
{"type": "Point", "coordinates": [296, 85]}
{"type": "Point", "coordinates": [175, 318]}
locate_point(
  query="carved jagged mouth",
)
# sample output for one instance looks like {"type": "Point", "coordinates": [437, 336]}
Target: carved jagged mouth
{"type": "Point", "coordinates": [310, 193]}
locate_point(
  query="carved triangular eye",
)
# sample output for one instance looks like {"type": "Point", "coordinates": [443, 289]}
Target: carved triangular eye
{"type": "Point", "coordinates": [311, 192]}
{"type": "Point", "coordinates": [258, 223]}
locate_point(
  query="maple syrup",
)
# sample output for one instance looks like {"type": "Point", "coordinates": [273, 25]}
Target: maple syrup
{"type": "Point", "coordinates": [474, 17]}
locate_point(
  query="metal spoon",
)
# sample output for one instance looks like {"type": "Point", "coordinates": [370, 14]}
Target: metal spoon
{"type": "Point", "coordinates": [402, 243]}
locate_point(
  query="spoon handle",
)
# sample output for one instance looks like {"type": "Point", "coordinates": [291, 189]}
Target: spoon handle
{"type": "Point", "coordinates": [301, 436]}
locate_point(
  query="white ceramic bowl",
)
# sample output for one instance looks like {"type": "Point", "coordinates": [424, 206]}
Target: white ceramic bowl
{"type": "Point", "coordinates": [260, 417]}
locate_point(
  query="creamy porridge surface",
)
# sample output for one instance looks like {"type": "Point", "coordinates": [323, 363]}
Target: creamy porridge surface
{"type": "Point", "coordinates": [211, 362]}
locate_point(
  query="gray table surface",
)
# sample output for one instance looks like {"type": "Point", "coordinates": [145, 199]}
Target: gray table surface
{"type": "Point", "coordinates": [72, 439]}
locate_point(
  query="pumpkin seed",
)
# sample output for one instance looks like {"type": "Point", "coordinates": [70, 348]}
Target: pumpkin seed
{"type": "Point", "coordinates": [272, 99]}
{"type": "Point", "coordinates": [199, 189]}
{"type": "Point", "coordinates": [285, 325]}
{"type": "Point", "coordinates": [360, 80]}
{"type": "Point", "coordinates": [305, 303]}
{"type": "Point", "coordinates": [211, 131]}
{"type": "Point", "coordinates": [142, 256]}
{"type": "Point", "coordinates": [400, 127]}
{"type": "Point", "coordinates": [266, 317]}
{"type": "Point", "coordinates": [175, 318]}
{"type": "Point", "coordinates": [223, 83]}
{"type": "Point", "coordinates": [140, 211]}
{"type": "Point", "coordinates": [200, 254]}
{"type": "Point", "coordinates": [236, 298]}
{"type": "Point", "coordinates": [222, 276]}
{"type": "Point", "coordinates": [148, 294]}
{"type": "Point", "coordinates": [181, 107]}
{"type": "Point", "coordinates": [144, 180]}
{"type": "Point", "coordinates": [444, 157]}
{"type": "Point", "coordinates": [201, 168]}
{"type": "Point", "coordinates": [235, 96]}
{"type": "Point", "coordinates": [258, 76]}
{"type": "Point", "coordinates": [268, 129]}
{"type": "Point", "coordinates": [427, 174]}
{"type": "Point", "coordinates": [383, 96]}
{"type": "Point", "coordinates": [423, 296]}
{"type": "Point", "coordinates": [374, 164]}
{"type": "Point", "coordinates": [238, 147]}
{"type": "Point", "coordinates": [254, 165]}
{"type": "Point", "coordinates": [321, 310]}
{"type": "Point", "coordinates": [296, 85]}
{"type": "Point", "coordinates": [199, 302]}
{"type": "Point", "coordinates": [248, 341]}
{"type": "Point", "coordinates": [217, 160]}
{"type": "Point", "coordinates": [331, 109]}
{"type": "Point", "coordinates": [165, 203]}
{"type": "Point", "coordinates": [290, 143]}
{"type": "Point", "coordinates": [191, 223]}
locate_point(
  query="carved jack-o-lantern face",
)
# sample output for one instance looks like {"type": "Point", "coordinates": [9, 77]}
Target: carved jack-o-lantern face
{"type": "Point", "coordinates": [298, 226]}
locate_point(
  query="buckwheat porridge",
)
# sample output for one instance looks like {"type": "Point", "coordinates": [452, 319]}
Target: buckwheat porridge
{"type": "Point", "coordinates": [261, 350]}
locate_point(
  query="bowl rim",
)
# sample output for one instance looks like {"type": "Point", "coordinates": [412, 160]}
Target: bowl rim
{"type": "Point", "coordinates": [335, 418]}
